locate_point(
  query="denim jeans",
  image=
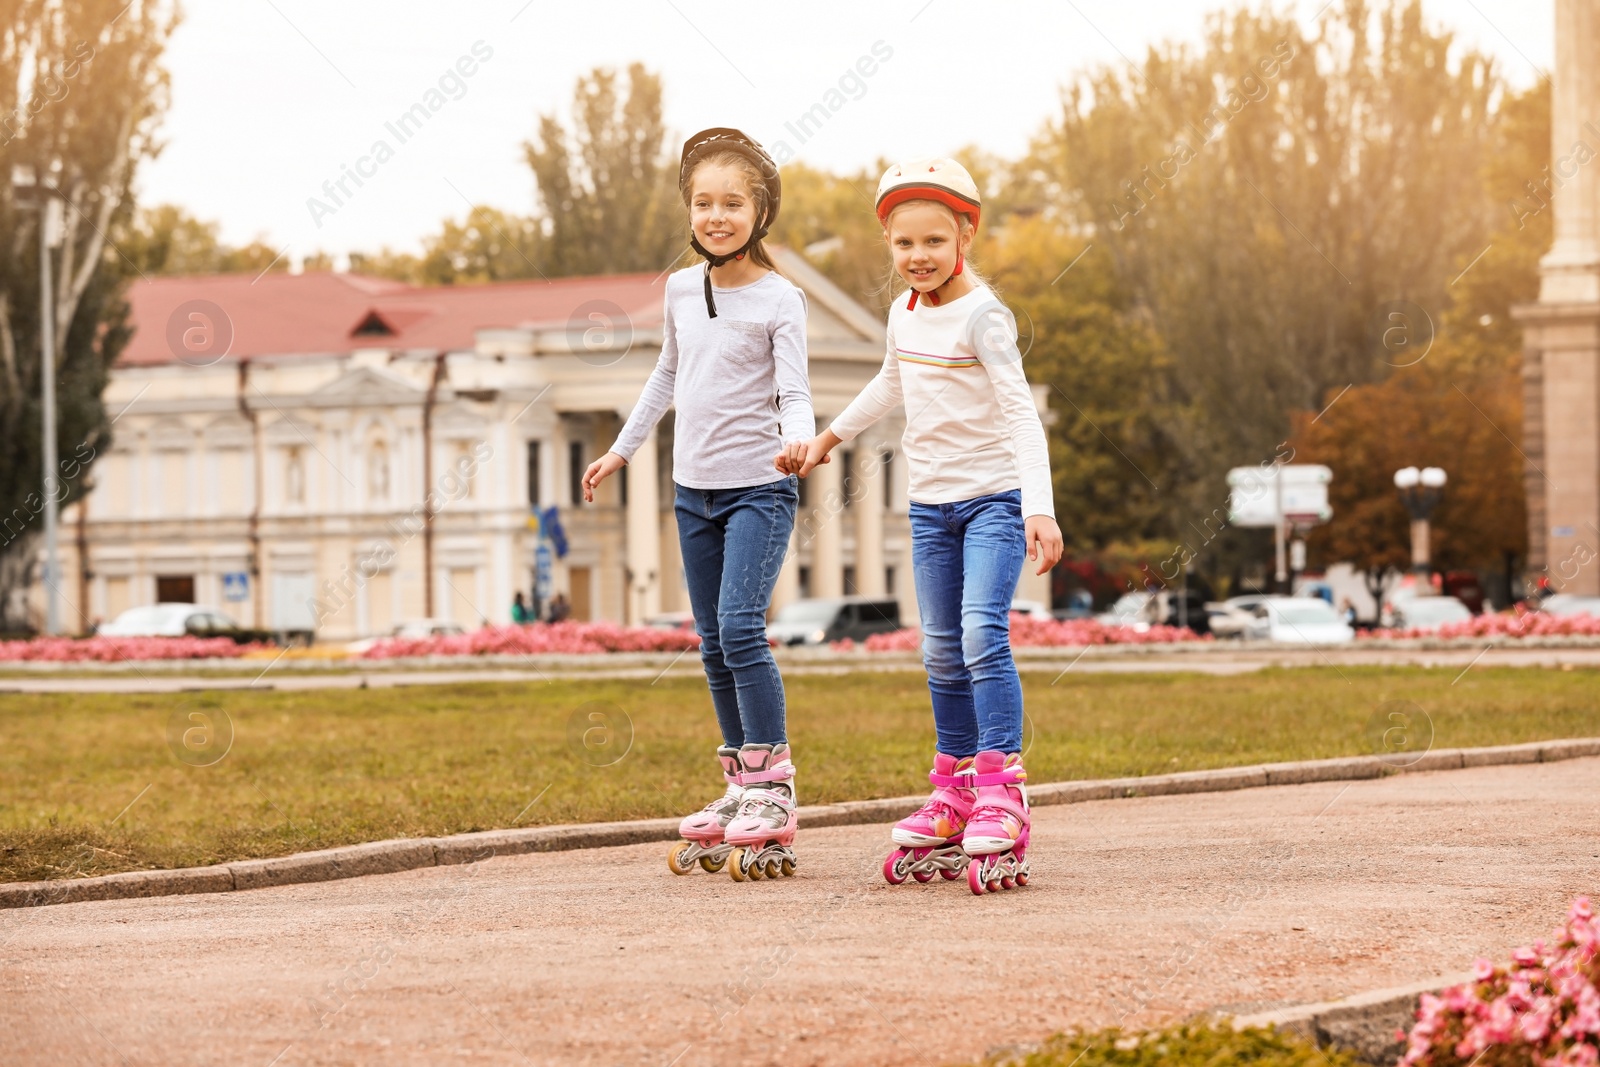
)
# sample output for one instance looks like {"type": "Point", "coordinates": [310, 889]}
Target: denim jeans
{"type": "Point", "coordinates": [734, 541]}
{"type": "Point", "coordinates": [967, 557]}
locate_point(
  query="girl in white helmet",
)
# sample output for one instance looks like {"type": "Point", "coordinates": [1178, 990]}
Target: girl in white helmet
{"type": "Point", "coordinates": [980, 501]}
{"type": "Point", "coordinates": [733, 364]}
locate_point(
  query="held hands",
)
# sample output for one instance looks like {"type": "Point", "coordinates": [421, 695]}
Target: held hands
{"type": "Point", "coordinates": [605, 467]}
{"type": "Point", "coordinates": [802, 457]}
{"type": "Point", "coordinates": [1044, 541]}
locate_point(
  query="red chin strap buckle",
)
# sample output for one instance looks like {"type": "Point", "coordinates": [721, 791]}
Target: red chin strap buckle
{"type": "Point", "coordinates": [930, 296]}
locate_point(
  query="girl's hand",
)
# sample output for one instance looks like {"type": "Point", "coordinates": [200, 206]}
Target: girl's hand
{"type": "Point", "coordinates": [816, 451]}
{"type": "Point", "coordinates": [599, 471]}
{"type": "Point", "coordinates": [1044, 541]}
{"type": "Point", "coordinates": [793, 457]}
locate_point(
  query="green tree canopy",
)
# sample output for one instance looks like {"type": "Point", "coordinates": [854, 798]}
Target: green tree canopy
{"type": "Point", "coordinates": [82, 90]}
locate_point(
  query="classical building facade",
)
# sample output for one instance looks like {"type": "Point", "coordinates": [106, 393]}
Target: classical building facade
{"type": "Point", "coordinates": [335, 453]}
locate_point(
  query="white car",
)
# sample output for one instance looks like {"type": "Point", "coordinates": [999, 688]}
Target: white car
{"type": "Point", "coordinates": [1428, 613]}
{"type": "Point", "coordinates": [1234, 616]}
{"type": "Point", "coordinates": [1032, 609]}
{"type": "Point", "coordinates": [1133, 609]}
{"type": "Point", "coordinates": [1565, 604]}
{"type": "Point", "coordinates": [1299, 620]}
{"type": "Point", "coordinates": [168, 620]}
{"type": "Point", "coordinates": [411, 629]}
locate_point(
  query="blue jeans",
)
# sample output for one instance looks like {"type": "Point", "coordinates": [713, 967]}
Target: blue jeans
{"type": "Point", "coordinates": [734, 541]}
{"type": "Point", "coordinates": [967, 557]}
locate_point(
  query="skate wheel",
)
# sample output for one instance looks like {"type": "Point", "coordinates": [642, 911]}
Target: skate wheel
{"type": "Point", "coordinates": [1008, 882]}
{"type": "Point", "coordinates": [894, 868]}
{"type": "Point", "coordinates": [773, 867]}
{"type": "Point", "coordinates": [788, 866]}
{"type": "Point", "coordinates": [994, 885]}
{"type": "Point", "coordinates": [950, 873]}
{"type": "Point", "coordinates": [677, 861]}
{"type": "Point", "coordinates": [975, 879]}
{"type": "Point", "coordinates": [712, 866]}
{"type": "Point", "coordinates": [1022, 879]}
{"type": "Point", "coordinates": [736, 865]}
{"type": "Point", "coordinates": [923, 876]}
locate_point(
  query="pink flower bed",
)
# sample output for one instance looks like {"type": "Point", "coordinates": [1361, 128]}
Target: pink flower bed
{"type": "Point", "coordinates": [1037, 633]}
{"type": "Point", "coordinates": [1521, 624]}
{"type": "Point", "coordinates": [1543, 1010]}
{"type": "Point", "coordinates": [556, 638]}
{"type": "Point", "coordinates": [119, 649]}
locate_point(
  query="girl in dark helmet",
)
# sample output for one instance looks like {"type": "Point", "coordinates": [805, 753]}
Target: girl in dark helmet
{"type": "Point", "coordinates": [733, 364]}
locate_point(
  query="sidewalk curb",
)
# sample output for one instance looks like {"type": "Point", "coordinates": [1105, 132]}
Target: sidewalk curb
{"type": "Point", "coordinates": [404, 854]}
{"type": "Point", "coordinates": [1364, 1023]}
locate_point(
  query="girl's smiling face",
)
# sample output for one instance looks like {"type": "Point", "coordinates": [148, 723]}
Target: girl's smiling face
{"type": "Point", "coordinates": [722, 210]}
{"type": "Point", "coordinates": [926, 240]}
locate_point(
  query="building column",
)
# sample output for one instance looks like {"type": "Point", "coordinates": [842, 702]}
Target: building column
{"type": "Point", "coordinates": [827, 523]}
{"type": "Point", "coordinates": [1571, 270]}
{"type": "Point", "coordinates": [644, 534]}
{"type": "Point", "coordinates": [868, 506]}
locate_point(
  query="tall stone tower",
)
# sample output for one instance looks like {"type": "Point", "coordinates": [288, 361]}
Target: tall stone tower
{"type": "Point", "coordinates": [1561, 352]}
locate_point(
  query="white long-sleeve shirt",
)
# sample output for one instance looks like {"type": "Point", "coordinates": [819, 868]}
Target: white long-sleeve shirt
{"type": "Point", "coordinates": [972, 428]}
{"type": "Point", "coordinates": [738, 381]}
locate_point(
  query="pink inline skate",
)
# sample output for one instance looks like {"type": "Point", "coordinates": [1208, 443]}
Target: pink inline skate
{"type": "Point", "coordinates": [996, 837]}
{"type": "Point", "coordinates": [703, 832]}
{"type": "Point", "coordinates": [930, 837]}
{"type": "Point", "coordinates": [762, 833]}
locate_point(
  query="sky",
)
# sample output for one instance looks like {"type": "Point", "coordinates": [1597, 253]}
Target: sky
{"type": "Point", "coordinates": [271, 99]}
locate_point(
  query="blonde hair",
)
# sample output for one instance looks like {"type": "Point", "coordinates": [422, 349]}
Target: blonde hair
{"type": "Point", "coordinates": [964, 226]}
{"type": "Point", "coordinates": [755, 183]}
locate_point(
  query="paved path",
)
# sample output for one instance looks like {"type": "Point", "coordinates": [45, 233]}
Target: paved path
{"type": "Point", "coordinates": [1221, 660]}
{"type": "Point", "coordinates": [1140, 911]}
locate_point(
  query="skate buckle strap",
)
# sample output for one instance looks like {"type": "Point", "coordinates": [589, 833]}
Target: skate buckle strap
{"type": "Point", "coordinates": [1009, 776]}
{"type": "Point", "coordinates": [781, 773]}
{"type": "Point", "coordinates": [960, 781]}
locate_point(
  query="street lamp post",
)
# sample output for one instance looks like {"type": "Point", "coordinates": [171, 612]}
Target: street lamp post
{"type": "Point", "coordinates": [1420, 491]}
{"type": "Point", "coordinates": [43, 197]}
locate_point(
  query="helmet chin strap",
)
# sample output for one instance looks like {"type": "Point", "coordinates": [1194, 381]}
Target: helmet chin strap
{"type": "Point", "coordinates": [714, 260]}
{"type": "Point", "coordinates": [930, 296]}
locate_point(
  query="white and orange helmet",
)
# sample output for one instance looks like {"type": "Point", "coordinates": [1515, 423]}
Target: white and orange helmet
{"type": "Point", "coordinates": [933, 178]}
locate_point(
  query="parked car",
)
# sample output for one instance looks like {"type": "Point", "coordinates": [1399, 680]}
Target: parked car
{"type": "Point", "coordinates": [1428, 613]}
{"type": "Point", "coordinates": [1565, 604]}
{"type": "Point", "coordinates": [1080, 605]}
{"type": "Point", "coordinates": [671, 620]}
{"type": "Point", "coordinates": [1163, 607]}
{"type": "Point", "coordinates": [412, 629]}
{"type": "Point", "coordinates": [179, 620]}
{"type": "Point", "coordinates": [821, 620]}
{"type": "Point", "coordinates": [1234, 616]}
{"type": "Point", "coordinates": [1299, 620]}
{"type": "Point", "coordinates": [1031, 609]}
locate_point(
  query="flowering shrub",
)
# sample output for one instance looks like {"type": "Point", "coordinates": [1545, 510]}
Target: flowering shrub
{"type": "Point", "coordinates": [1039, 633]}
{"type": "Point", "coordinates": [119, 649]}
{"type": "Point", "coordinates": [1541, 1011]}
{"type": "Point", "coordinates": [555, 638]}
{"type": "Point", "coordinates": [1523, 623]}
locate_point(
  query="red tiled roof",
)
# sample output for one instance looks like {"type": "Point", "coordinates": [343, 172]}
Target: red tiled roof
{"type": "Point", "coordinates": [318, 313]}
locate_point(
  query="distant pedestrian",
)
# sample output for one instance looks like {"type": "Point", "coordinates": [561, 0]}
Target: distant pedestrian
{"type": "Point", "coordinates": [1348, 610]}
{"type": "Point", "coordinates": [559, 608]}
{"type": "Point", "coordinates": [519, 610]}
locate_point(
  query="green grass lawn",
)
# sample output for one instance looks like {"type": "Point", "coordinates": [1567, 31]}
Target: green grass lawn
{"type": "Point", "coordinates": [91, 783]}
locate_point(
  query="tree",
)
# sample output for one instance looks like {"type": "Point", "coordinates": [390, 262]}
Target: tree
{"type": "Point", "coordinates": [830, 219]}
{"type": "Point", "coordinates": [608, 188]}
{"type": "Point", "coordinates": [167, 240]}
{"type": "Point", "coordinates": [1264, 198]}
{"type": "Point", "coordinates": [81, 93]}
